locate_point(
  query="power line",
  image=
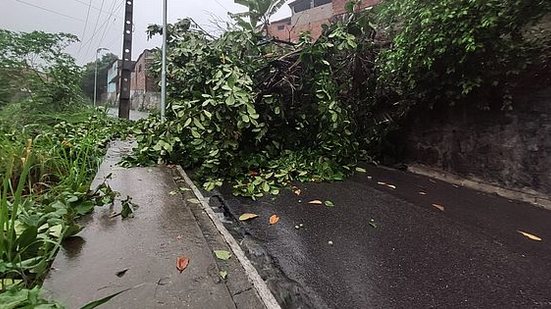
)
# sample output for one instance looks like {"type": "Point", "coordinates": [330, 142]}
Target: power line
{"type": "Point", "coordinates": [220, 4]}
{"type": "Point", "coordinates": [106, 27]}
{"type": "Point", "coordinates": [85, 25]}
{"type": "Point", "coordinates": [97, 21]}
{"type": "Point", "coordinates": [49, 10]}
{"type": "Point", "coordinates": [90, 5]}
{"type": "Point", "coordinates": [105, 24]}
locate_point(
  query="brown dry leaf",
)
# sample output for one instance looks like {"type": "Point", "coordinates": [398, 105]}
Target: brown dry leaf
{"type": "Point", "coordinates": [247, 216]}
{"type": "Point", "coordinates": [440, 207]}
{"type": "Point", "coordinates": [316, 202]}
{"type": "Point", "coordinates": [274, 219]}
{"type": "Point", "coordinates": [296, 190]}
{"type": "Point", "coordinates": [530, 236]}
{"type": "Point", "coordinates": [181, 263]}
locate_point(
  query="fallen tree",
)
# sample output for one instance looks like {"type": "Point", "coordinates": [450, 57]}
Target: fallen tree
{"type": "Point", "coordinates": [264, 113]}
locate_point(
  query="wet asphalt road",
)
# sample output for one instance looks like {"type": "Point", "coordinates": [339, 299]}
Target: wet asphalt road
{"type": "Point", "coordinates": [413, 255]}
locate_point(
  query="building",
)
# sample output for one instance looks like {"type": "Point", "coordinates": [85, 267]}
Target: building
{"type": "Point", "coordinates": [309, 16]}
{"type": "Point", "coordinates": [112, 89]}
{"type": "Point", "coordinates": [144, 87]}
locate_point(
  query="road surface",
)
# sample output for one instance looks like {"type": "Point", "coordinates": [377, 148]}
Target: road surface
{"type": "Point", "coordinates": [398, 240]}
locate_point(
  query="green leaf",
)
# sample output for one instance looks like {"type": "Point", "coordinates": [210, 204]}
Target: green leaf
{"type": "Point", "coordinates": [329, 203]}
{"type": "Point", "coordinates": [222, 254]}
{"type": "Point", "coordinates": [104, 300]}
{"type": "Point", "coordinates": [360, 170]}
{"type": "Point", "coordinates": [187, 123]}
{"type": "Point", "coordinates": [195, 134]}
{"type": "Point", "coordinates": [223, 274]}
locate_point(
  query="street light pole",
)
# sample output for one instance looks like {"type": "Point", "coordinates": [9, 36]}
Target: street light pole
{"type": "Point", "coordinates": [96, 76]}
{"type": "Point", "coordinates": [163, 69]}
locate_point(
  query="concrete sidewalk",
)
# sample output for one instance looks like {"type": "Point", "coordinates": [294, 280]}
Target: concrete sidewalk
{"type": "Point", "coordinates": [112, 254]}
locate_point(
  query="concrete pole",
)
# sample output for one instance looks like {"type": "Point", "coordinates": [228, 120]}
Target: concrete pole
{"type": "Point", "coordinates": [96, 80]}
{"type": "Point", "coordinates": [163, 70]}
{"type": "Point", "coordinates": [126, 63]}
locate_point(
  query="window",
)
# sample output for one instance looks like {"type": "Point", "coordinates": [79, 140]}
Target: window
{"type": "Point", "coordinates": [301, 6]}
{"type": "Point", "coordinates": [281, 27]}
{"type": "Point", "coordinates": [321, 2]}
{"type": "Point", "coordinates": [139, 68]}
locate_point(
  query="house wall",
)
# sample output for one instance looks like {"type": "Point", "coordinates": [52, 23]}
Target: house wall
{"type": "Point", "coordinates": [280, 29]}
{"type": "Point", "coordinates": [112, 73]}
{"type": "Point", "coordinates": [112, 89]}
{"type": "Point", "coordinates": [339, 6]}
{"type": "Point", "coordinates": [311, 21]}
{"type": "Point", "coordinates": [144, 89]}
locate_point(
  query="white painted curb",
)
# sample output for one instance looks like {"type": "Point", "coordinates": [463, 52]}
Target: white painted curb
{"type": "Point", "coordinates": [261, 288]}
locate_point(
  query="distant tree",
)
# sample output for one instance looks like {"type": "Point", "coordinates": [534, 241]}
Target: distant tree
{"type": "Point", "coordinates": [35, 67]}
{"type": "Point", "coordinates": [87, 82]}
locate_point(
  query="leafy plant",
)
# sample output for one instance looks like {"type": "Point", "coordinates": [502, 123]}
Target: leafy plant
{"type": "Point", "coordinates": [444, 51]}
{"type": "Point", "coordinates": [36, 68]}
{"type": "Point", "coordinates": [235, 114]}
{"type": "Point", "coordinates": [258, 13]}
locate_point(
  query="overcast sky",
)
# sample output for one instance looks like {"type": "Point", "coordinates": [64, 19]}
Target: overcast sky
{"type": "Point", "coordinates": [105, 20]}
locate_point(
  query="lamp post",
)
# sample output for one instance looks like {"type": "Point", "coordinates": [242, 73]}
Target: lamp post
{"type": "Point", "coordinates": [96, 76]}
{"type": "Point", "coordinates": [163, 66]}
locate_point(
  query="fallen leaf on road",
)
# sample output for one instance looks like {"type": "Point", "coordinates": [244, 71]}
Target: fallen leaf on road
{"type": "Point", "coordinates": [422, 193]}
{"type": "Point", "coordinates": [296, 190]}
{"type": "Point", "coordinates": [440, 207]}
{"type": "Point", "coordinates": [222, 254]}
{"type": "Point", "coordinates": [274, 219]}
{"type": "Point", "coordinates": [121, 273]}
{"type": "Point", "coordinates": [372, 223]}
{"type": "Point", "coordinates": [530, 236]}
{"type": "Point", "coordinates": [329, 204]}
{"type": "Point", "coordinates": [386, 185]}
{"type": "Point", "coordinates": [184, 189]}
{"type": "Point", "coordinates": [247, 216]}
{"type": "Point", "coordinates": [172, 193]}
{"type": "Point", "coordinates": [127, 208]}
{"type": "Point", "coordinates": [194, 200]}
{"type": "Point", "coordinates": [360, 170]}
{"type": "Point", "coordinates": [181, 263]}
{"type": "Point", "coordinates": [223, 274]}
{"type": "Point", "coordinates": [315, 202]}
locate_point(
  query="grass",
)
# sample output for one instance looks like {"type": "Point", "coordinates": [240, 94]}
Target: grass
{"type": "Point", "coordinates": [47, 161]}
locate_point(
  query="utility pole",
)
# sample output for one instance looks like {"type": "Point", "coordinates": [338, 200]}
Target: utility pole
{"type": "Point", "coordinates": [163, 69]}
{"type": "Point", "coordinates": [96, 76]}
{"type": "Point", "coordinates": [124, 82]}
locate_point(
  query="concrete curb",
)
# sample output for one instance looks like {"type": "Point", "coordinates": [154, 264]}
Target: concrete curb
{"type": "Point", "coordinates": [532, 197]}
{"type": "Point", "coordinates": [261, 288]}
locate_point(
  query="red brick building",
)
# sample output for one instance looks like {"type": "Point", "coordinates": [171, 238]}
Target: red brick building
{"type": "Point", "coordinates": [309, 15]}
{"type": "Point", "coordinates": [144, 87]}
